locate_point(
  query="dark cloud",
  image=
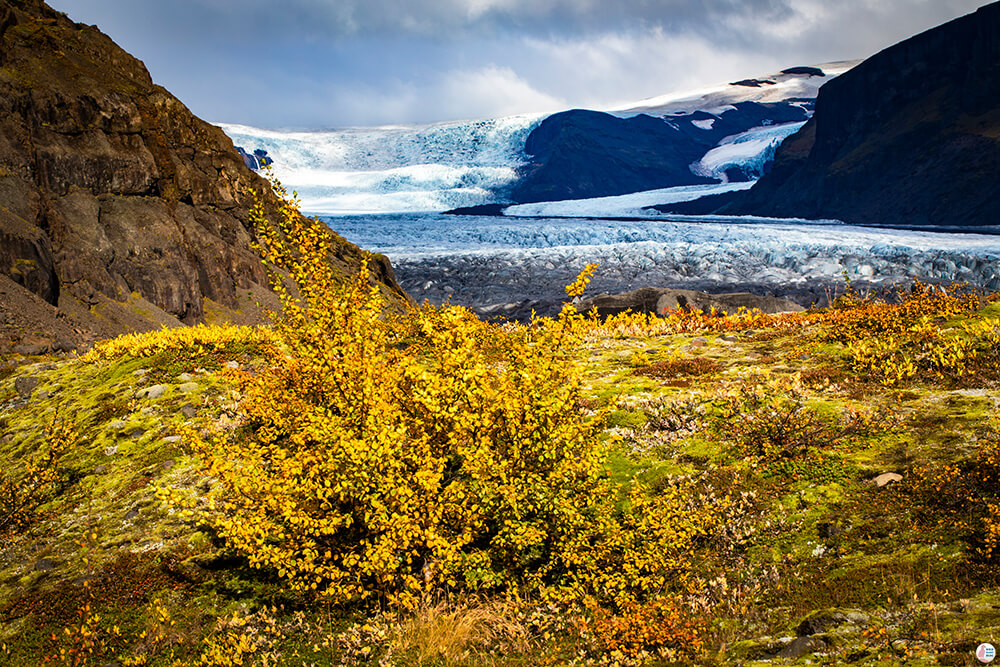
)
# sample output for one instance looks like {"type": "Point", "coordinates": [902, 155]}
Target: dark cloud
{"type": "Point", "coordinates": [353, 62]}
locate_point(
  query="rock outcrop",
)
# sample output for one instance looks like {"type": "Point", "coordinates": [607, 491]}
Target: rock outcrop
{"type": "Point", "coordinates": [909, 137]}
{"type": "Point", "coordinates": [115, 200]}
{"type": "Point", "coordinates": [659, 300]}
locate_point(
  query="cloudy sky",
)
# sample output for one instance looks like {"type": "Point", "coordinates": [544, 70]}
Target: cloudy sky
{"type": "Point", "coordinates": [315, 64]}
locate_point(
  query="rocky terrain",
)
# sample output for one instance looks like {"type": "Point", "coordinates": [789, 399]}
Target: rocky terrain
{"type": "Point", "coordinates": [909, 137]}
{"type": "Point", "coordinates": [118, 207]}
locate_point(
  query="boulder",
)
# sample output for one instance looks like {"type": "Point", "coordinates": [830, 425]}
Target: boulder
{"type": "Point", "coordinates": [24, 385]}
{"type": "Point", "coordinates": [659, 300]}
{"type": "Point", "coordinates": [887, 478]}
{"type": "Point", "coordinates": [826, 620]}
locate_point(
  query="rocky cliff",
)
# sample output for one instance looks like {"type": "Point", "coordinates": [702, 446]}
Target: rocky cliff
{"type": "Point", "coordinates": [909, 137]}
{"type": "Point", "coordinates": [118, 206]}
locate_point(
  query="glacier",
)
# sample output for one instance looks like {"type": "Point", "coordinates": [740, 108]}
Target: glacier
{"type": "Point", "coordinates": [750, 152]}
{"type": "Point", "coordinates": [483, 261]}
{"type": "Point", "coordinates": [395, 169]}
{"type": "Point", "coordinates": [380, 188]}
{"type": "Point", "coordinates": [620, 206]}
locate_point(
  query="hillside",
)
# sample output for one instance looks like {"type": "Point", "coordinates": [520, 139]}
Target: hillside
{"type": "Point", "coordinates": [119, 209]}
{"type": "Point", "coordinates": [755, 489]}
{"type": "Point", "coordinates": [909, 137]}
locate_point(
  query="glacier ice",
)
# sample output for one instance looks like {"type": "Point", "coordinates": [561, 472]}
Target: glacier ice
{"type": "Point", "coordinates": [481, 261]}
{"type": "Point", "coordinates": [395, 168]}
{"type": "Point", "coordinates": [749, 152]}
{"type": "Point", "coordinates": [621, 206]}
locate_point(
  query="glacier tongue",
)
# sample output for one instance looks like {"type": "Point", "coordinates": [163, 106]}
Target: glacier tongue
{"type": "Point", "coordinates": [481, 261]}
{"type": "Point", "coordinates": [621, 206]}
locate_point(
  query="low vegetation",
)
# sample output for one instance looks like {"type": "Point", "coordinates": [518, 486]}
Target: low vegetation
{"type": "Point", "coordinates": [357, 486]}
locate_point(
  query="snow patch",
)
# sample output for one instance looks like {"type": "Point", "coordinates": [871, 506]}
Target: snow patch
{"type": "Point", "coordinates": [717, 99]}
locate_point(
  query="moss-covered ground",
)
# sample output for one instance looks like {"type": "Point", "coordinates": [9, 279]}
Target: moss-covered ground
{"type": "Point", "coordinates": [827, 559]}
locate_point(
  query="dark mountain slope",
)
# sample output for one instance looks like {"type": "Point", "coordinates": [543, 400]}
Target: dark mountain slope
{"type": "Point", "coordinates": [112, 193]}
{"type": "Point", "coordinates": [580, 153]}
{"type": "Point", "coordinates": [909, 137]}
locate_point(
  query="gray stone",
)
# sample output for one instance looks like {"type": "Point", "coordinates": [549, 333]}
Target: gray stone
{"type": "Point", "coordinates": [152, 392]}
{"type": "Point", "coordinates": [140, 372]}
{"type": "Point", "coordinates": [45, 565]}
{"type": "Point", "coordinates": [172, 439]}
{"type": "Point", "coordinates": [168, 464]}
{"type": "Point", "coordinates": [188, 387]}
{"type": "Point", "coordinates": [185, 377]}
{"type": "Point", "coordinates": [132, 514]}
{"type": "Point", "coordinates": [117, 425]}
{"type": "Point", "coordinates": [825, 620]}
{"type": "Point", "coordinates": [24, 385]}
{"type": "Point", "coordinates": [699, 342]}
{"type": "Point", "coordinates": [232, 364]}
{"type": "Point", "coordinates": [800, 646]}
{"type": "Point", "coordinates": [64, 346]}
{"type": "Point", "coordinates": [101, 469]}
{"type": "Point", "coordinates": [188, 411]}
{"type": "Point", "coordinates": [136, 433]}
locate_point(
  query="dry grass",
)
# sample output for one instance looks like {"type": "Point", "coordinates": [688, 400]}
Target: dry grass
{"type": "Point", "coordinates": [478, 634]}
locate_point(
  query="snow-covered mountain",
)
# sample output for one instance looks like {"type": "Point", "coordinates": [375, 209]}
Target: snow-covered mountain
{"type": "Point", "coordinates": [716, 135]}
{"type": "Point", "coordinates": [795, 84]}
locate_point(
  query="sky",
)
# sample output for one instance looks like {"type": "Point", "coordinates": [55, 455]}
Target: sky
{"type": "Point", "coordinates": [324, 64]}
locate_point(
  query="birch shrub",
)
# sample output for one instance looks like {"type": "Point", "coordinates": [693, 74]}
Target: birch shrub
{"type": "Point", "coordinates": [385, 457]}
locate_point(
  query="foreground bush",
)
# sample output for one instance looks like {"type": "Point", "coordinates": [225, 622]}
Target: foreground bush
{"type": "Point", "coordinates": [386, 458]}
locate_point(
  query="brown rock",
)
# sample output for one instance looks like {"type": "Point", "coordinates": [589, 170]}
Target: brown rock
{"type": "Point", "coordinates": [24, 385]}
{"type": "Point", "coordinates": [112, 191]}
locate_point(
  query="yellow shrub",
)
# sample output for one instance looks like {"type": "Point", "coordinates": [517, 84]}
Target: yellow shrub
{"type": "Point", "coordinates": [25, 489]}
{"type": "Point", "coordinates": [197, 339]}
{"type": "Point", "coordinates": [387, 457]}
